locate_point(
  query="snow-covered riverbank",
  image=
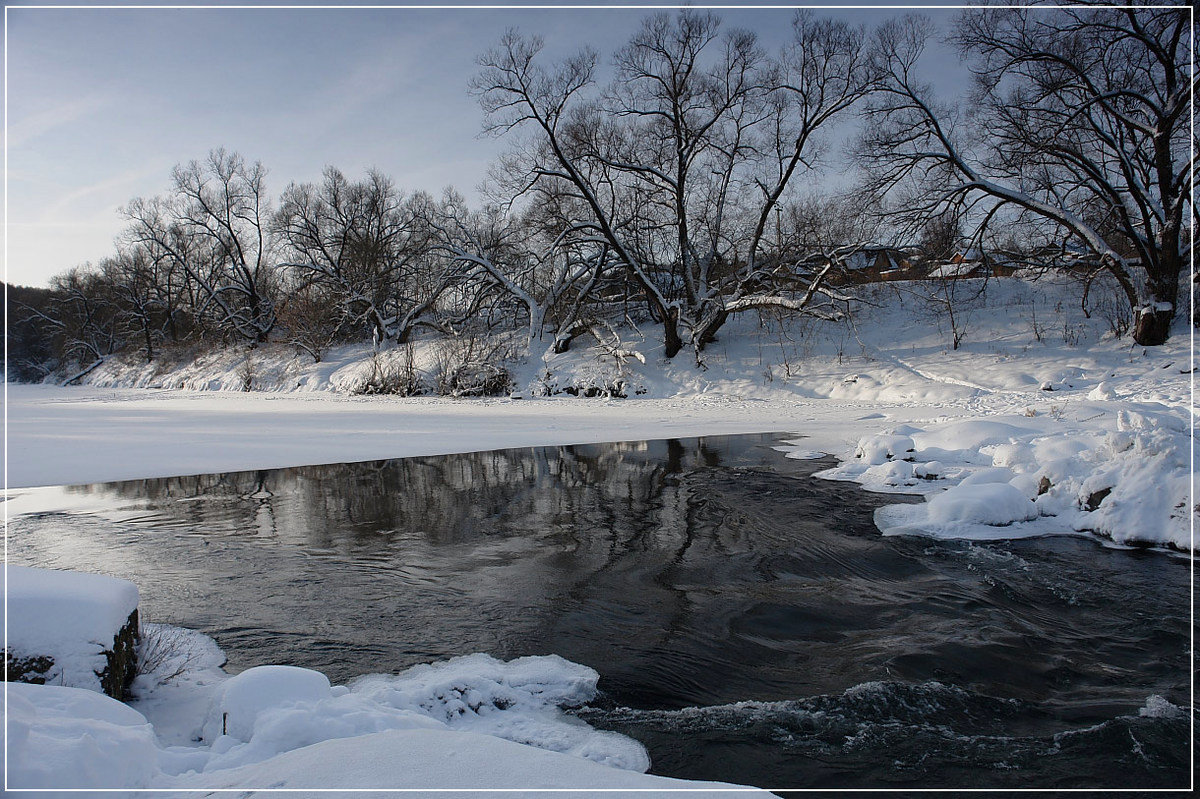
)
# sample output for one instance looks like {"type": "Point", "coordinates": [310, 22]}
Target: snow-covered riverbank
{"type": "Point", "coordinates": [469, 723]}
{"type": "Point", "coordinates": [77, 435]}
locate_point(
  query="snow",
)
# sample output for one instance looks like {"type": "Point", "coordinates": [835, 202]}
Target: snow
{"type": "Point", "coordinates": [241, 701]}
{"type": "Point", "coordinates": [67, 616]}
{"type": "Point", "coordinates": [441, 760]}
{"type": "Point", "coordinates": [60, 737]}
{"type": "Point", "coordinates": [981, 503]}
{"type": "Point", "coordinates": [1120, 470]}
{"type": "Point", "coordinates": [883, 448]}
{"type": "Point", "coordinates": [1157, 707]}
{"type": "Point", "coordinates": [518, 700]}
{"type": "Point", "coordinates": [469, 722]}
{"type": "Point", "coordinates": [69, 435]}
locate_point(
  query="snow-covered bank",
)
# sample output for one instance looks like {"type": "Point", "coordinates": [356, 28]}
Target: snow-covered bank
{"type": "Point", "coordinates": [62, 628]}
{"type": "Point", "coordinates": [469, 723]}
{"type": "Point", "coordinates": [1121, 470]}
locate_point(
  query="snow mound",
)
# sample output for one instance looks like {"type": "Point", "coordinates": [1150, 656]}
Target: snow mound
{"type": "Point", "coordinates": [884, 447]}
{"type": "Point", "coordinates": [519, 700]}
{"type": "Point", "coordinates": [243, 698]}
{"type": "Point", "coordinates": [268, 710]}
{"type": "Point", "coordinates": [470, 722]}
{"type": "Point", "coordinates": [61, 737]}
{"type": "Point", "coordinates": [1117, 469]}
{"type": "Point", "coordinates": [440, 760]}
{"type": "Point", "coordinates": [69, 738]}
{"type": "Point", "coordinates": [69, 617]}
{"type": "Point", "coordinates": [981, 503]}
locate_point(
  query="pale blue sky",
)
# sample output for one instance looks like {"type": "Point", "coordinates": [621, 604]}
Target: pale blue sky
{"type": "Point", "coordinates": [102, 102]}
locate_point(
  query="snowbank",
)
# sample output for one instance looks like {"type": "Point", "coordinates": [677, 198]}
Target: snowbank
{"type": "Point", "coordinates": [62, 737]}
{"type": "Point", "coordinates": [1120, 470]}
{"type": "Point", "coordinates": [268, 710]}
{"type": "Point", "coordinates": [470, 722]}
{"type": "Point", "coordinates": [71, 618]}
{"type": "Point", "coordinates": [519, 701]}
{"type": "Point", "coordinates": [444, 760]}
{"type": "Point", "coordinates": [832, 382]}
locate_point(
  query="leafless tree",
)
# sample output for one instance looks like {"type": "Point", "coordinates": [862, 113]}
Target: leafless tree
{"type": "Point", "coordinates": [526, 257]}
{"type": "Point", "coordinates": [85, 316]}
{"type": "Point", "coordinates": [135, 285]}
{"type": "Point", "coordinates": [214, 227]}
{"type": "Point", "coordinates": [678, 166]}
{"type": "Point", "coordinates": [1079, 119]}
{"type": "Point", "coordinates": [362, 247]}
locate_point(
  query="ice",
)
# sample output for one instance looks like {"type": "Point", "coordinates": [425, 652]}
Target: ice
{"type": "Point", "coordinates": [1157, 707]}
{"type": "Point", "coordinates": [519, 700]}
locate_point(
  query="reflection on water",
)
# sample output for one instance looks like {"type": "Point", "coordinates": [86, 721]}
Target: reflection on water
{"type": "Point", "coordinates": [706, 573]}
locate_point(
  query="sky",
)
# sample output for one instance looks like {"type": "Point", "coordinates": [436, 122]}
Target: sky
{"type": "Point", "coordinates": [101, 103]}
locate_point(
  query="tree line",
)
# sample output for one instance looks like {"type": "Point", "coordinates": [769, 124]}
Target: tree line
{"type": "Point", "coordinates": [672, 193]}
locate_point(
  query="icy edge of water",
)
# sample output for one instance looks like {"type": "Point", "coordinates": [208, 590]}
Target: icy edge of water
{"type": "Point", "coordinates": [1118, 473]}
{"type": "Point", "coordinates": [190, 724]}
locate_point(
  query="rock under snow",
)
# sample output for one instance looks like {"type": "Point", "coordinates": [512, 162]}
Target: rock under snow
{"type": "Point", "coordinates": [981, 503]}
{"type": "Point", "coordinates": [242, 698]}
{"type": "Point", "coordinates": [70, 628]}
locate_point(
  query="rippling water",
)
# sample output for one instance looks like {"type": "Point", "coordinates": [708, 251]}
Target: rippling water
{"type": "Point", "coordinates": [748, 622]}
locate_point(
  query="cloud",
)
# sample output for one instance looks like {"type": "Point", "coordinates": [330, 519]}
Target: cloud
{"type": "Point", "coordinates": [104, 190]}
{"type": "Point", "coordinates": [20, 132]}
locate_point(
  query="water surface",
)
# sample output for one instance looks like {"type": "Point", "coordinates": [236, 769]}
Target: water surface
{"type": "Point", "coordinates": [748, 621]}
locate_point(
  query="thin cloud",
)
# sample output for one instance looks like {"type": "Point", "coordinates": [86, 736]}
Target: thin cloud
{"type": "Point", "coordinates": [22, 131]}
{"type": "Point", "coordinates": [104, 187]}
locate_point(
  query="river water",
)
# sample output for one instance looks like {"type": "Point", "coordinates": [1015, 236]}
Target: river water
{"type": "Point", "coordinates": [748, 621]}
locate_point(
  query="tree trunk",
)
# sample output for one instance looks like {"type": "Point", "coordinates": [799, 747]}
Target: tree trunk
{"type": "Point", "coordinates": [1152, 326]}
{"type": "Point", "coordinates": [537, 320]}
{"type": "Point", "coordinates": [672, 343]}
{"type": "Point", "coordinates": [564, 338]}
{"type": "Point", "coordinates": [707, 333]}
{"type": "Point", "coordinates": [1152, 322]}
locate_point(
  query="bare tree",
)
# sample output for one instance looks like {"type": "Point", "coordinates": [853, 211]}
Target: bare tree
{"type": "Point", "coordinates": [527, 258]}
{"type": "Point", "coordinates": [214, 227]}
{"type": "Point", "coordinates": [135, 286]}
{"type": "Point", "coordinates": [1080, 120]}
{"type": "Point", "coordinates": [82, 310]}
{"type": "Point", "coordinates": [363, 247]}
{"type": "Point", "coordinates": [677, 167]}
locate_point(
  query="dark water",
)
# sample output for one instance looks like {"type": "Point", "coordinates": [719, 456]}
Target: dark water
{"type": "Point", "coordinates": [748, 621]}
